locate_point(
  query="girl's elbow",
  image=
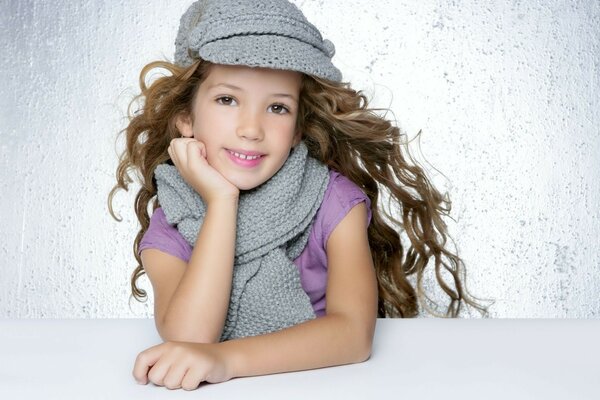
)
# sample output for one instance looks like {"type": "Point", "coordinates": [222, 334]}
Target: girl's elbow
{"type": "Point", "coordinates": [361, 348]}
{"type": "Point", "coordinates": [360, 340]}
{"type": "Point", "coordinates": [364, 352]}
{"type": "Point", "coordinates": [364, 343]}
{"type": "Point", "coordinates": [168, 334]}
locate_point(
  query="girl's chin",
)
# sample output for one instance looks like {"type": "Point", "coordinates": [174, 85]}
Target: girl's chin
{"type": "Point", "coordinates": [245, 185]}
{"type": "Point", "coordinates": [240, 182]}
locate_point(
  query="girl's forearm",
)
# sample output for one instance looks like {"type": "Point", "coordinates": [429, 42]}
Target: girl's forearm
{"type": "Point", "coordinates": [322, 342]}
{"type": "Point", "coordinates": [197, 310]}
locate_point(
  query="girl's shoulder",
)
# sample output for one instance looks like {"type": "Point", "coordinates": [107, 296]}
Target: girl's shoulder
{"type": "Point", "coordinates": [341, 195]}
{"type": "Point", "coordinates": [165, 237]}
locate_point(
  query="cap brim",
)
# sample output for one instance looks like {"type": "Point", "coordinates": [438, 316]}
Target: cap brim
{"type": "Point", "coordinates": [271, 51]}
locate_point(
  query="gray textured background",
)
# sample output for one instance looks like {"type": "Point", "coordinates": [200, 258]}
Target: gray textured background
{"type": "Point", "coordinates": [506, 93]}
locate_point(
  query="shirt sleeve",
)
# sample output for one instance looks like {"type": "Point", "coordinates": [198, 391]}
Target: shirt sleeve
{"type": "Point", "coordinates": [164, 237]}
{"type": "Point", "coordinates": [342, 195]}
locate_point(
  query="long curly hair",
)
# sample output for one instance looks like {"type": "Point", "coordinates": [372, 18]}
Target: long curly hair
{"type": "Point", "coordinates": [342, 132]}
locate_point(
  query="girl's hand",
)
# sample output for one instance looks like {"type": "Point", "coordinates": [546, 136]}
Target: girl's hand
{"type": "Point", "coordinates": [182, 365]}
{"type": "Point", "coordinates": [189, 156]}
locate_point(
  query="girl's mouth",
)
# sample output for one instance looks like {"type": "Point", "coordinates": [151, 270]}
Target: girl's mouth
{"type": "Point", "coordinates": [243, 160]}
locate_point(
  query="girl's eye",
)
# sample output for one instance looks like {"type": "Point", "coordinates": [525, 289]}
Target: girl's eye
{"type": "Point", "coordinates": [279, 109]}
{"type": "Point", "coordinates": [226, 100]}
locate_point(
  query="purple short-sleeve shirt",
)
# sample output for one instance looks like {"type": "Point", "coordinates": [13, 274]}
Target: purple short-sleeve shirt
{"type": "Point", "coordinates": [340, 196]}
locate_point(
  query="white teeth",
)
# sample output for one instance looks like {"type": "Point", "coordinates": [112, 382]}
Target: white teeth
{"type": "Point", "coordinates": [243, 156]}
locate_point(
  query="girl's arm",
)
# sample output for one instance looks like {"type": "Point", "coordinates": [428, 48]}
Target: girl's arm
{"type": "Point", "coordinates": [343, 336]}
{"type": "Point", "coordinates": [191, 301]}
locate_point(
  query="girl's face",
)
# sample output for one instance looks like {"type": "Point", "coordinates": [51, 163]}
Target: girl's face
{"type": "Point", "coordinates": [249, 111]}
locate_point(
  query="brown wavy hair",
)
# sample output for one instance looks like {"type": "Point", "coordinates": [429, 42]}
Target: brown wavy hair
{"type": "Point", "coordinates": [342, 132]}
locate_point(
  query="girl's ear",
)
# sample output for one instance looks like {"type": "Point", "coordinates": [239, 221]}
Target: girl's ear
{"type": "Point", "coordinates": [183, 122]}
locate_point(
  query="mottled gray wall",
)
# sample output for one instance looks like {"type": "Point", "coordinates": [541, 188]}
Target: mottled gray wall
{"type": "Point", "coordinates": [506, 94]}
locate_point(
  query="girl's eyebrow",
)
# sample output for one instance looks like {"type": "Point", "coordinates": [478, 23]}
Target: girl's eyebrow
{"type": "Point", "coordinates": [233, 87]}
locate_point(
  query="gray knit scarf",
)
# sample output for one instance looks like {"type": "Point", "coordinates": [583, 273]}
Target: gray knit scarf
{"type": "Point", "coordinates": [273, 225]}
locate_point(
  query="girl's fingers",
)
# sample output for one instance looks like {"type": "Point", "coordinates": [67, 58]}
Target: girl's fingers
{"type": "Point", "coordinates": [171, 155]}
{"type": "Point", "coordinates": [179, 144]}
{"type": "Point", "coordinates": [180, 150]}
{"type": "Point", "coordinates": [175, 375]}
{"type": "Point", "coordinates": [191, 380]}
{"type": "Point", "coordinates": [173, 152]}
{"type": "Point", "coordinates": [144, 361]}
{"type": "Point", "coordinates": [196, 147]}
{"type": "Point", "coordinates": [159, 372]}
{"type": "Point", "coordinates": [196, 151]}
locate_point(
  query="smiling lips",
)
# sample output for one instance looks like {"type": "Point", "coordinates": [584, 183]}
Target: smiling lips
{"type": "Point", "coordinates": [244, 156]}
{"type": "Point", "coordinates": [245, 160]}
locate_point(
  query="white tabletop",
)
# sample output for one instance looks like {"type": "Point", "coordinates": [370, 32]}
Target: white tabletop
{"type": "Point", "coordinates": [411, 359]}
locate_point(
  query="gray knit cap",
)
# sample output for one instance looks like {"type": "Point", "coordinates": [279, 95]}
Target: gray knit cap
{"type": "Point", "coordinates": [256, 33]}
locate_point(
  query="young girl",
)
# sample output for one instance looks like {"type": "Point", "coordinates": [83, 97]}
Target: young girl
{"type": "Point", "coordinates": [269, 248]}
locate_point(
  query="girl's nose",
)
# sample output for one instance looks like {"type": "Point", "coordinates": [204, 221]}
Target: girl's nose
{"type": "Point", "coordinates": [250, 126]}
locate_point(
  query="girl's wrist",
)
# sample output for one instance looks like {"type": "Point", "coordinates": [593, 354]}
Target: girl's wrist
{"type": "Point", "coordinates": [224, 201]}
{"type": "Point", "coordinates": [231, 359]}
